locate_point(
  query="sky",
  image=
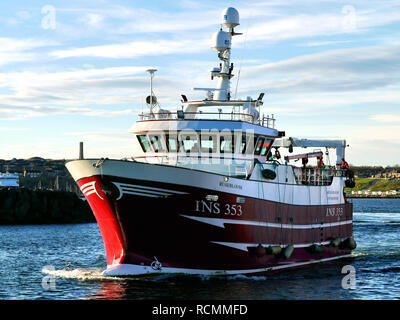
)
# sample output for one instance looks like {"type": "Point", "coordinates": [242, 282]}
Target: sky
{"type": "Point", "coordinates": [74, 71]}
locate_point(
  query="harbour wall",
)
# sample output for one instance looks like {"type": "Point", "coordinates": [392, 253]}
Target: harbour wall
{"type": "Point", "coordinates": [25, 206]}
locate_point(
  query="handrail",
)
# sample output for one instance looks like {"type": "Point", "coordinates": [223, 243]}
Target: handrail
{"type": "Point", "coordinates": [307, 176]}
{"type": "Point", "coordinates": [268, 122]}
{"type": "Point", "coordinates": [317, 176]}
{"type": "Point", "coordinates": [175, 115]}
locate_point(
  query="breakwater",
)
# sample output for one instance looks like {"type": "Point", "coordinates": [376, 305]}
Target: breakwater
{"type": "Point", "coordinates": [25, 206]}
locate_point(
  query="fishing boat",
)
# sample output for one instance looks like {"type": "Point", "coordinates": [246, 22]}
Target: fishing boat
{"type": "Point", "coordinates": [209, 191]}
{"type": "Point", "coordinates": [8, 180]}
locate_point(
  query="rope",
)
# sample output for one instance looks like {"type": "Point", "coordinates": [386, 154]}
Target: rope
{"type": "Point", "coordinates": [266, 212]}
{"type": "Point", "coordinates": [291, 218]}
{"type": "Point", "coordinates": [284, 191]}
{"type": "Point", "coordinates": [279, 199]}
{"type": "Point", "coordinates": [292, 202]}
{"type": "Point", "coordinates": [309, 210]}
{"type": "Point", "coordinates": [326, 190]}
{"type": "Point", "coordinates": [340, 227]}
{"type": "Point", "coordinates": [258, 193]}
{"type": "Point", "coordinates": [320, 205]}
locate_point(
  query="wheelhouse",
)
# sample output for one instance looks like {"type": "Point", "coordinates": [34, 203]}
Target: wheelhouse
{"type": "Point", "coordinates": [222, 142]}
{"type": "Point", "coordinates": [205, 143]}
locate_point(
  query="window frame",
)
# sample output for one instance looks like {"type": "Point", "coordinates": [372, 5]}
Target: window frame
{"type": "Point", "coordinates": [222, 139]}
{"type": "Point", "coordinates": [264, 154]}
{"type": "Point", "coordinates": [259, 138]}
{"type": "Point", "coordinates": [175, 138]}
{"type": "Point", "coordinates": [211, 137]}
{"type": "Point", "coordinates": [181, 141]}
{"type": "Point", "coordinates": [139, 137]}
{"type": "Point", "coordinates": [160, 140]}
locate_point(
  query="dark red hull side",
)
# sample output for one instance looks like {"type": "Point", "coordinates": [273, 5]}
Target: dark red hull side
{"type": "Point", "coordinates": [191, 230]}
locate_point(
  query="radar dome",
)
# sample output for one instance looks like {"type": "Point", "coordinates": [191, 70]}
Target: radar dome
{"type": "Point", "coordinates": [230, 18]}
{"type": "Point", "coordinates": [221, 41]}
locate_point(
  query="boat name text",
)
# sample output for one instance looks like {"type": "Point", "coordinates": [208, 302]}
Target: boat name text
{"type": "Point", "coordinates": [218, 208]}
{"type": "Point", "coordinates": [230, 185]}
{"type": "Point", "coordinates": [334, 212]}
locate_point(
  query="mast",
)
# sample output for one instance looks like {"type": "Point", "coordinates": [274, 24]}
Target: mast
{"type": "Point", "coordinates": [151, 100]}
{"type": "Point", "coordinates": [222, 44]}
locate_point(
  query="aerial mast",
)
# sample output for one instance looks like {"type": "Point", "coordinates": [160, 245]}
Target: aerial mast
{"type": "Point", "coordinates": [222, 44]}
{"type": "Point", "coordinates": [151, 100]}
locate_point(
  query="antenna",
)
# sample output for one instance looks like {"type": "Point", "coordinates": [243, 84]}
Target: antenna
{"type": "Point", "coordinates": [222, 41]}
{"type": "Point", "coordinates": [151, 100]}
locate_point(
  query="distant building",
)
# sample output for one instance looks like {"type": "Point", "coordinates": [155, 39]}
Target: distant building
{"type": "Point", "coordinates": [33, 173]}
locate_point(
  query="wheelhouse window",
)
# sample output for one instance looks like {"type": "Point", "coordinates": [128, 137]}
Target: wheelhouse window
{"type": "Point", "coordinates": [247, 144]}
{"type": "Point", "coordinates": [243, 144]}
{"type": "Point", "coordinates": [144, 143]}
{"type": "Point", "coordinates": [208, 143]}
{"type": "Point", "coordinates": [189, 142]}
{"type": "Point", "coordinates": [266, 146]}
{"type": "Point", "coordinates": [226, 143]}
{"type": "Point", "coordinates": [259, 145]}
{"type": "Point", "coordinates": [157, 143]}
{"type": "Point", "coordinates": [172, 143]}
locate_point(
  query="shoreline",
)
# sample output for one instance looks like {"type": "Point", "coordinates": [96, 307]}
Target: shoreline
{"type": "Point", "coordinates": [24, 206]}
{"type": "Point", "coordinates": [374, 196]}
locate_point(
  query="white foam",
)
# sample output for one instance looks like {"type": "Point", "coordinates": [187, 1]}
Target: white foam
{"type": "Point", "coordinates": [79, 274]}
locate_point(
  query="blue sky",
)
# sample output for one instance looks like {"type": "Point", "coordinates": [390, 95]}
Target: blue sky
{"type": "Point", "coordinates": [74, 71]}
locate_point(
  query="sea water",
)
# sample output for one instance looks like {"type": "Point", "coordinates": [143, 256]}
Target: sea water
{"type": "Point", "coordinates": [66, 261]}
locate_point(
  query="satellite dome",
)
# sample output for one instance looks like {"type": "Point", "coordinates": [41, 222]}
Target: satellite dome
{"type": "Point", "coordinates": [221, 41]}
{"type": "Point", "coordinates": [230, 18]}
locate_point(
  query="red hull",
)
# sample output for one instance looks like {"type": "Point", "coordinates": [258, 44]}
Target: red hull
{"type": "Point", "coordinates": [184, 231]}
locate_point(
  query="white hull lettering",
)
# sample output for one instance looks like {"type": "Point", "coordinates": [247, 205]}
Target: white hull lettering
{"type": "Point", "coordinates": [334, 212]}
{"type": "Point", "coordinates": [215, 208]}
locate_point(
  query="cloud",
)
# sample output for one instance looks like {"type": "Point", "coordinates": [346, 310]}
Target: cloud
{"type": "Point", "coordinates": [356, 69]}
{"type": "Point", "coordinates": [94, 20]}
{"type": "Point", "coordinates": [92, 92]}
{"type": "Point", "coordinates": [386, 118]}
{"type": "Point", "coordinates": [19, 50]}
{"type": "Point", "coordinates": [61, 85]}
{"type": "Point", "coordinates": [22, 112]}
{"type": "Point", "coordinates": [263, 24]}
{"type": "Point", "coordinates": [324, 43]}
{"type": "Point", "coordinates": [327, 79]}
{"type": "Point", "coordinates": [342, 20]}
{"type": "Point", "coordinates": [135, 49]}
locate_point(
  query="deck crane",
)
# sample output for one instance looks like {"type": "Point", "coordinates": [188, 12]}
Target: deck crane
{"type": "Point", "coordinates": [290, 142]}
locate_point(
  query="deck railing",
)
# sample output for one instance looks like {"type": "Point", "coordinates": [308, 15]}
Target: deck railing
{"type": "Point", "coordinates": [244, 167]}
{"type": "Point", "coordinates": [317, 176]}
{"type": "Point", "coordinates": [265, 121]}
